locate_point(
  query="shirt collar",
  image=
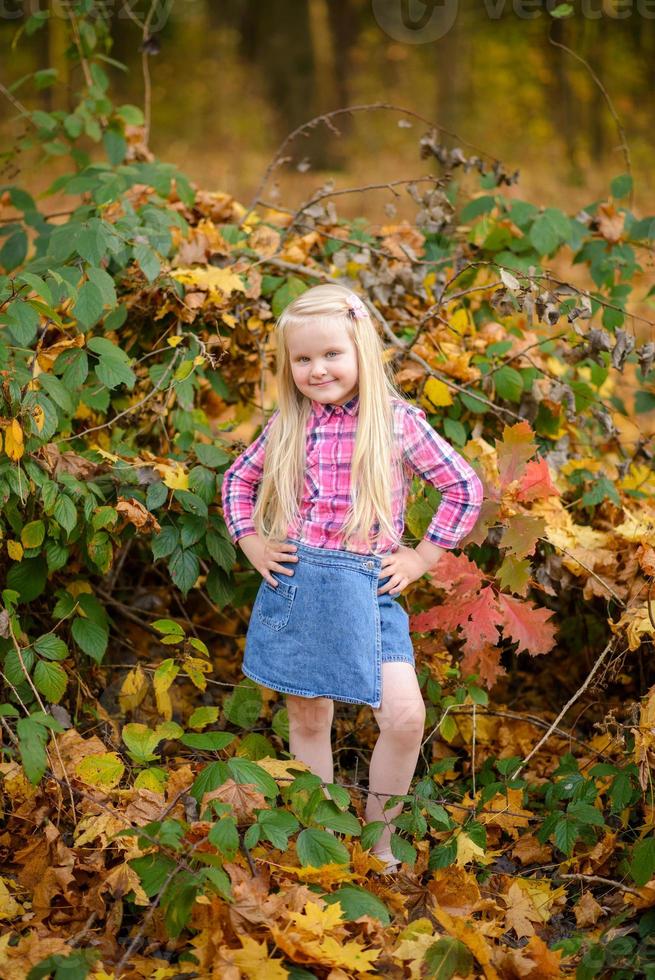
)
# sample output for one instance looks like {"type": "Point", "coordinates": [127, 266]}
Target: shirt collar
{"type": "Point", "coordinates": [323, 412]}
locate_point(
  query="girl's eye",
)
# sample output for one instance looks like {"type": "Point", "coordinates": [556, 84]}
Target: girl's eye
{"type": "Point", "coordinates": [332, 352]}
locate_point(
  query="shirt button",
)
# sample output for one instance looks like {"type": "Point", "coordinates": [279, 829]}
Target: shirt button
{"type": "Point", "coordinates": [338, 410]}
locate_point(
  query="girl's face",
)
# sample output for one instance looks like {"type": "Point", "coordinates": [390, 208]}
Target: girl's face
{"type": "Point", "coordinates": [323, 362]}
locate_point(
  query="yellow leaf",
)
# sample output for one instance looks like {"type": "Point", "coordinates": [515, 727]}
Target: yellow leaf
{"type": "Point", "coordinates": [164, 677]}
{"type": "Point", "coordinates": [281, 768]}
{"type": "Point", "coordinates": [198, 360]}
{"type": "Point", "coordinates": [9, 907]}
{"type": "Point", "coordinates": [103, 452]}
{"type": "Point", "coordinates": [39, 417]}
{"type": "Point", "coordinates": [438, 392]}
{"type": "Point", "coordinates": [133, 690]}
{"type": "Point", "coordinates": [459, 321]}
{"type": "Point", "coordinates": [254, 961]}
{"type": "Point", "coordinates": [637, 528]}
{"type": "Point", "coordinates": [219, 283]}
{"type": "Point", "coordinates": [468, 850]}
{"type": "Point", "coordinates": [316, 920]}
{"type": "Point", "coordinates": [152, 779]}
{"type": "Point", "coordinates": [14, 440]}
{"type": "Point", "coordinates": [77, 587]}
{"type": "Point", "coordinates": [173, 475]}
{"type": "Point", "coordinates": [15, 550]}
{"type": "Point", "coordinates": [105, 770]}
{"type": "Point", "coordinates": [196, 670]}
{"type": "Point", "coordinates": [228, 319]}
{"type": "Point", "coordinates": [174, 341]}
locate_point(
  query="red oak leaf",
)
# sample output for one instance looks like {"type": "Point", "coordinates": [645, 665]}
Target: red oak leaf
{"type": "Point", "coordinates": [484, 620]}
{"type": "Point", "coordinates": [536, 482]}
{"type": "Point", "coordinates": [457, 573]}
{"type": "Point", "coordinates": [485, 662]}
{"type": "Point", "coordinates": [526, 624]}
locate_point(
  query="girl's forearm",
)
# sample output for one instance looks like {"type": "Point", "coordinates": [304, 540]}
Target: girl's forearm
{"type": "Point", "coordinates": [430, 553]}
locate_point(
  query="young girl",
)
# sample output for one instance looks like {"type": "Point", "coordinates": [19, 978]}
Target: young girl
{"type": "Point", "coordinates": [317, 505]}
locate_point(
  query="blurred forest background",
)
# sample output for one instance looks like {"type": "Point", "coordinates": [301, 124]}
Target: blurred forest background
{"type": "Point", "coordinates": [235, 77]}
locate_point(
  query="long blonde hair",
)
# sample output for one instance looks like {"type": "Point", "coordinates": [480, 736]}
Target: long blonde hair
{"type": "Point", "coordinates": [375, 455]}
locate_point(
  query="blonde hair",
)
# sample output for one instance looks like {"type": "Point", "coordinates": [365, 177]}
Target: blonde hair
{"type": "Point", "coordinates": [375, 455]}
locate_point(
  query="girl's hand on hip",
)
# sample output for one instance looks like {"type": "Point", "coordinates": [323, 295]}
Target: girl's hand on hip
{"type": "Point", "coordinates": [267, 556]}
{"type": "Point", "coordinates": [403, 567]}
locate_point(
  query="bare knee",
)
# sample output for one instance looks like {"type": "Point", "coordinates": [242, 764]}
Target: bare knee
{"type": "Point", "coordinates": [403, 719]}
{"type": "Point", "coordinates": [309, 716]}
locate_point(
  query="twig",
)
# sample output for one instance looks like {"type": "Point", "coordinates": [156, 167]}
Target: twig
{"type": "Point", "coordinates": [587, 569]}
{"type": "Point", "coordinates": [327, 118]}
{"type": "Point", "coordinates": [598, 880]}
{"type": "Point", "coordinates": [569, 704]}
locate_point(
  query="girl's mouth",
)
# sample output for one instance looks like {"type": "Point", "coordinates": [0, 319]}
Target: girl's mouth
{"type": "Point", "coordinates": [322, 384]}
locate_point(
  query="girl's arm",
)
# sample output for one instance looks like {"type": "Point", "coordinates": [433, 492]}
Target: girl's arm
{"type": "Point", "coordinates": [432, 458]}
{"type": "Point", "coordinates": [241, 484]}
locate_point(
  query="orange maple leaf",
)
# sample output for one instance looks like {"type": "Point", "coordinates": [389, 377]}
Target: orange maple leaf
{"type": "Point", "coordinates": [536, 482]}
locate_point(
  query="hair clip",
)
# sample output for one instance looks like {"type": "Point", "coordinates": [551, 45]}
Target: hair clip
{"type": "Point", "coordinates": [356, 308]}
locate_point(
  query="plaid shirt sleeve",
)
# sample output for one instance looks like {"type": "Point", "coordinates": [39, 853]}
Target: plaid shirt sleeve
{"type": "Point", "coordinates": [431, 457]}
{"type": "Point", "coordinates": [241, 483]}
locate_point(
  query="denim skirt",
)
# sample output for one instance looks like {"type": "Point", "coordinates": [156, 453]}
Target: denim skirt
{"type": "Point", "coordinates": [324, 631]}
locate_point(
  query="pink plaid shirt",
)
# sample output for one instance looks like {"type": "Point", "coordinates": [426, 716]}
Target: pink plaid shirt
{"type": "Point", "coordinates": [326, 494]}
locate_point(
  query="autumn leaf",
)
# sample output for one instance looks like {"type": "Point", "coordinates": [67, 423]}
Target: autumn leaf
{"type": "Point", "coordinates": [514, 451]}
{"type": "Point", "coordinates": [521, 913]}
{"type": "Point", "coordinates": [536, 481]}
{"type": "Point", "coordinates": [532, 628]}
{"type": "Point", "coordinates": [14, 440]}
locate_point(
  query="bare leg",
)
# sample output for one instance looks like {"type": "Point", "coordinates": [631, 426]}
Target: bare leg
{"type": "Point", "coordinates": [310, 725]}
{"type": "Point", "coordinates": [401, 717]}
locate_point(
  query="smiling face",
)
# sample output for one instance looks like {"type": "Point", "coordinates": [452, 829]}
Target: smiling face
{"type": "Point", "coordinates": [323, 362]}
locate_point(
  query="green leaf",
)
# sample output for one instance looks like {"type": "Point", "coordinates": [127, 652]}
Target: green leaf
{"type": "Point", "coordinates": [202, 717]}
{"type": "Point", "coordinates": [88, 308]}
{"type": "Point", "coordinates": [211, 456]}
{"type": "Point", "coordinates": [184, 567]}
{"type": "Point", "coordinates": [245, 771]}
{"type": "Point", "coordinates": [210, 741]}
{"type": "Point", "coordinates": [566, 834]}
{"type": "Point", "coordinates": [65, 512]}
{"type": "Point", "coordinates": [402, 849]}
{"type": "Point", "coordinates": [51, 680]}
{"type": "Point", "coordinates": [168, 627]}
{"type": "Point", "coordinates": [90, 637]}
{"type": "Point", "coordinates": [51, 647]}
{"type": "Point", "coordinates": [28, 578]}
{"type": "Point", "coordinates": [153, 870]}
{"type": "Point", "coordinates": [22, 319]}
{"type": "Point", "coordinates": [447, 957]}
{"type": "Point", "coordinates": [356, 901]}
{"type": "Point", "coordinates": [642, 865]}
{"type": "Point", "coordinates": [58, 391]}
{"type": "Point", "coordinates": [244, 706]}
{"type": "Point", "coordinates": [113, 373]}
{"type": "Point", "coordinates": [32, 738]}
{"type": "Point", "coordinates": [225, 836]}
{"type": "Point", "coordinates": [621, 185]}
{"type": "Point", "coordinates": [290, 289]}
{"type": "Point", "coordinates": [33, 534]}
{"type": "Point", "coordinates": [104, 284]}
{"type": "Point", "coordinates": [208, 779]}
{"type": "Point", "coordinates": [277, 826]}
{"type": "Point", "coordinates": [562, 10]}
{"type": "Point", "coordinates": [508, 383]}
{"type": "Point", "coordinates": [329, 815]}
{"type": "Point", "coordinates": [316, 848]}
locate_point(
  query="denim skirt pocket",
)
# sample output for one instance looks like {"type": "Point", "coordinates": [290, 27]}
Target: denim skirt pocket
{"type": "Point", "coordinates": [274, 604]}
